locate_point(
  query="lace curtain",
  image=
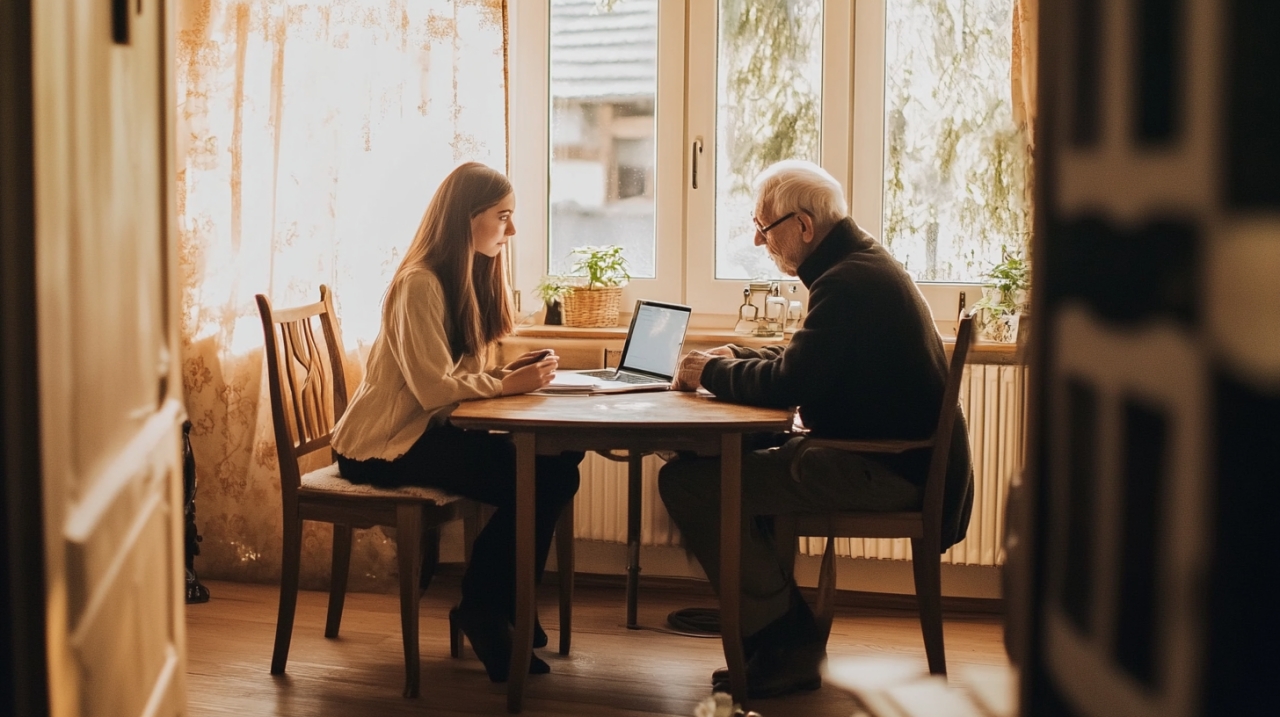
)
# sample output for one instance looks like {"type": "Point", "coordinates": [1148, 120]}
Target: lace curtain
{"type": "Point", "coordinates": [310, 136]}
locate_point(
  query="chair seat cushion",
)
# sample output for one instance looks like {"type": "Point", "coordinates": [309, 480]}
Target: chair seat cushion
{"type": "Point", "coordinates": [328, 479]}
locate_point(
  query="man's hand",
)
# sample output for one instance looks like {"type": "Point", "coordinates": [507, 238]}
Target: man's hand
{"type": "Point", "coordinates": [689, 373]}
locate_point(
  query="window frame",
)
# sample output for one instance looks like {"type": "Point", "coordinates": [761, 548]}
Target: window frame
{"type": "Point", "coordinates": [851, 149]}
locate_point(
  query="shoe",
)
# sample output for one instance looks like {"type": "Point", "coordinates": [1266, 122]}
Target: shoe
{"type": "Point", "coordinates": [539, 635]}
{"type": "Point", "coordinates": [784, 656]}
{"type": "Point", "coordinates": [490, 637]}
{"type": "Point", "coordinates": [749, 647]}
{"type": "Point", "coordinates": [775, 671]}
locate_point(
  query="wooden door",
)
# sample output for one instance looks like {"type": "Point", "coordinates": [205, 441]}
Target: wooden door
{"type": "Point", "coordinates": [109, 402]}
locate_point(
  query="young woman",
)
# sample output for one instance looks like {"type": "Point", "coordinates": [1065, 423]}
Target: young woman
{"type": "Point", "coordinates": [445, 309]}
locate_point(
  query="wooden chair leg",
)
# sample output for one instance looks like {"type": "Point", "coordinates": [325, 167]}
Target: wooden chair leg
{"type": "Point", "coordinates": [635, 484]}
{"type": "Point", "coordinates": [290, 561]}
{"type": "Point", "coordinates": [408, 542]}
{"type": "Point", "coordinates": [926, 563]}
{"type": "Point", "coordinates": [564, 563]}
{"type": "Point", "coordinates": [825, 609]}
{"type": "Point", "coordinates": [338, 578]}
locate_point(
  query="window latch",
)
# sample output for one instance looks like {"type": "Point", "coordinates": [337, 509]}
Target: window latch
{"type": "Point", "coordinates": [697, 150]}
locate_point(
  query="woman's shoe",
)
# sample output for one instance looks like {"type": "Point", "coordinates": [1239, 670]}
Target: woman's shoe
{"type": "Point", "coordinates": [490, 636]}
{"type": "Point", "coordinates": [539, 635]}
{"type": "Point", "coordinates": [455, 634]}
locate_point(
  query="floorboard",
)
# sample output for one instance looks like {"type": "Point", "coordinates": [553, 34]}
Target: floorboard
{"type": "Point", "coordinates": [611, 672]}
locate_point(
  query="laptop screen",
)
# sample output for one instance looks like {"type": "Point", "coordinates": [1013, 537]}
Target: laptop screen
{"type": "Point", "coordinates": [654, 340]}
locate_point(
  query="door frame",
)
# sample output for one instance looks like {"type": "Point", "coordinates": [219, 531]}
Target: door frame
{"type": "Point", "coordinates": [22, 635]}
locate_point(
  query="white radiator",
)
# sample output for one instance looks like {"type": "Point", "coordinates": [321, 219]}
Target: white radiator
{"type": "Point", "coordinates": [994, 402]}
{"type": "Point", "coordinates": [600, 510]}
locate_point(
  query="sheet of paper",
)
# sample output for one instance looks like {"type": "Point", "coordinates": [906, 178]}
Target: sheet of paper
{"type": "Point", "coordinates": [568, 379]}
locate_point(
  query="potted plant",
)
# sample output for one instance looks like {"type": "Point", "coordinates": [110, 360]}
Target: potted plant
{"type": "Point", "coordinates": [596, 302]}
{"type": "Point", "coordinates": [1004, 298]}
{"type": "Point", "coordinates": [552, 290]}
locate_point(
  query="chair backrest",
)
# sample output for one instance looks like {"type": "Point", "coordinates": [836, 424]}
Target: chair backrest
{"type": "Point", "coordinates": [306, 379]}
{"type": "Point", "coordinates": [934, 488]}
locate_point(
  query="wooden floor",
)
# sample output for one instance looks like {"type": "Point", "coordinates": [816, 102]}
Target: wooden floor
{"type": "Point", "coordinates": [611, 670]}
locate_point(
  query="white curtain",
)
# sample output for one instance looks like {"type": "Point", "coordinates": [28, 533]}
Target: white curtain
{"type": "Point", "coordinates": [1023, 82]}
{"type": "Point", "coordinates": [310, 137]}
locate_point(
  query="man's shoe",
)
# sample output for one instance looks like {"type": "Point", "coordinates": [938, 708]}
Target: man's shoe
{"type": "Point", "coordinates": [782, 657]}
{"type": "Point", "coordinates": [775, 671]}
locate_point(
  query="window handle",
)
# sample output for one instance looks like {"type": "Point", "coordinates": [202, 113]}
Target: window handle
{"type": "Point", "coordinates": [697, 150]}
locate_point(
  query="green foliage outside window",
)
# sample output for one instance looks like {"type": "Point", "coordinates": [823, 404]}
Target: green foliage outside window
{"type": "Point", "coordinates": [775, 113]}
{"type": "Point", "coordinates": [955, 163]}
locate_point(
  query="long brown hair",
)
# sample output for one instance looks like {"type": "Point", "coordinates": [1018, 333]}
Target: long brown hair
{"type": "Point", "coordinates": [478, 310]}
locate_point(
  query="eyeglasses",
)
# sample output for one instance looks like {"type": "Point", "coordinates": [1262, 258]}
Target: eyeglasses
{"type": "Point", "coordinates": [764, 231]}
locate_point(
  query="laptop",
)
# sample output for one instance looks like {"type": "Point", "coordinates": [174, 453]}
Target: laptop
{"type": "Point", "coordinates": [649, 356]}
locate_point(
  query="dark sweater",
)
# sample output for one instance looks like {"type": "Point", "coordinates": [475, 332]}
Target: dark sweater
{"type": "Point", "coordinates": [868, 363]}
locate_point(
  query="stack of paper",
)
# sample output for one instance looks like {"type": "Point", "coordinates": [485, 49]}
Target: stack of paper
{"type": "Point", "coordinates": [565, 382]}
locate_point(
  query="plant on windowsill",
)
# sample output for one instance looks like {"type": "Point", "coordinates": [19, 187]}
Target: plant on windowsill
{"type": "Point", "coordinates": [552, 290]}
{"type": "Point", "coordinates": [595, 303]}
{"type": "Point", "coordinates": [1004, 298]}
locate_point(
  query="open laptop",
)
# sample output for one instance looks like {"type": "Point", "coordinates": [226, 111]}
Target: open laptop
{"type": "Point", "coordinates": [649, 357]}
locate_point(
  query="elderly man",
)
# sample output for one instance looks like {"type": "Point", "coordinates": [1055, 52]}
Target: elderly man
{"type": "Point", "coordinates": [868, 363]}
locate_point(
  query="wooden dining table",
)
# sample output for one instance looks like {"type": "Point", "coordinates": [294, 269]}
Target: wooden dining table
{"type": "Point", "coordinates": [648, 421]}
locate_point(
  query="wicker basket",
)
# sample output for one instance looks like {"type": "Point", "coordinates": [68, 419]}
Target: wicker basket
{"type": "Point", "coordinates": [595, 308]}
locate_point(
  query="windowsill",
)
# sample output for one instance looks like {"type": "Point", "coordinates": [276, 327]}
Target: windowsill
{"type": "Point", "coordinates": [982, 352]}
{"type": "Point", "coordinates": [693, 335]}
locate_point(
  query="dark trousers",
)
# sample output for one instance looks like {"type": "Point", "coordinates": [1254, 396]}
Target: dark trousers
{"type": "Point", "coordinates": [481, 466]}
{"type": "Point", "coordinates": [830, 480]}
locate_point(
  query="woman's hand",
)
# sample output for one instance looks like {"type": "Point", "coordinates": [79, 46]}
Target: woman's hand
{"type": "Point", "coordinates": [528, 358]}
{"type": "Point", "coordinates": [530, 377]}
{"type": "Point", "coordinates": [725, 351]}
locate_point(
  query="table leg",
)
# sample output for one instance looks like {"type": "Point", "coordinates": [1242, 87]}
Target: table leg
{"type": "Point", "coordinates": [565, 568]}
{"type": "Point", "coordinates": [731, 562]}
{"type": "Point", "coordinates": [522, 637]}
{"type": "Point", "coordinates": [635, 474]}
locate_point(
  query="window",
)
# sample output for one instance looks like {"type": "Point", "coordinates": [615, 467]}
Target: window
{"type": "Point", "coordinates": [618, 105]}
{"type": "Point", "coordinates": [953, 158]}
{"type": "Point", "coordinates": [768, 103]}
{"type": "Point", "coordinates": [602, 94]}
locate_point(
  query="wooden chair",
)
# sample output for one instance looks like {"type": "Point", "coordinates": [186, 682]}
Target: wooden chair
{"type": "Point", "coordinates": [308, 395]}
{"type": "Point", "coordinates": [923, 527]}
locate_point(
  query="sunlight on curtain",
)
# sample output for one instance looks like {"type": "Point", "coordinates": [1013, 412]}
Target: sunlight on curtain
{"type": "Point", "coordinates": [1023, 78]}
{"type": "Point", "coordinates": [310, 138]}
{"type": "Point", "coordinates": [1026, 55]}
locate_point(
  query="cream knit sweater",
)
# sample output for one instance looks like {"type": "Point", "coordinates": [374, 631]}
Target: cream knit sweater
{"type": "Point", "coordinates": [411, 381]}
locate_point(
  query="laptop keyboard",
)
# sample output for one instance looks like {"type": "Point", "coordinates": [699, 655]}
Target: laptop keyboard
{"type": "Point", "coordinates": [612, 375]}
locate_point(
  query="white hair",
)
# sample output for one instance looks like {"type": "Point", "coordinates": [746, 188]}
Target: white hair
{"type": "Point", "coordinates": [797, 185]}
